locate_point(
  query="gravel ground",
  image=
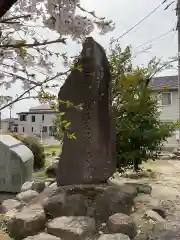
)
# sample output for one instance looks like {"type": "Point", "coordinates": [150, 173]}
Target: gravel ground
{"type": "Point", "coordinates": [165, 187]}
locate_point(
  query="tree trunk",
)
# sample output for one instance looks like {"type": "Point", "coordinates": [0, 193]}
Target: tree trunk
{"type": "Point", "coordinates": [5, 5]}
{"type": "Point", "coordinates": [136, 165]}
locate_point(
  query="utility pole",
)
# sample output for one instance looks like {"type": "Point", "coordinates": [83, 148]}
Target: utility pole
{"type": "Point", "coordinates": [0, 123]}
{"type": "Point", "coordinates": [10, 118]}
{"type": "Point", "coordinates": [178, 32]}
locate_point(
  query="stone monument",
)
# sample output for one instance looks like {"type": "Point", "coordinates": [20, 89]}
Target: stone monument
{"type": "Point", "coordinates": [88, 159]}
{"type": "Point", "coordinates": [16, 164]}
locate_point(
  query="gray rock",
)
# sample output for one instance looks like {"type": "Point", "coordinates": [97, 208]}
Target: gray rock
{"type": "Point", "coordinates": [29, 221]}
{"type": "Point", "coordinates": [173, 156]}
{"type": "Point", "coordinates": [176, 152]}
{"type": "Point", "coordinates": [10, 204]}
{"type": "Point", "coordinates": [144, 188]}
{"type": "Point", "coordinates": [16, 164]}
{"type": "Point", "coordinates": [90, 190]}
{"type": "Point", "coordinates": [141, 188]}
{"type": "Point", "coordinates": [38, 186]}
{"type": "Point", "coordinates": [75, 205]}
{"type": "Point", "coordinates": [143, 202]}
{"type": "Point", "coordinates": [165, 157]}
{"type": "Point", "coordinates": [48, 192]}
{"type": "Point", "coordinates": [51, 170]}
{"type": "Point", "coordinates": [72, 228]}
{"type": "Point", "coordinates": [27, 196]}
{"type": "Point", "coordinates": [95, 135]}
{"type": "Point", "coordinates": [53, 206]}
{"type": "Point", "coordinates": [26, 186]}
{"type": "Point", "coordinates": [165, 231]}
{"type": "Point", "coordinates": [114, 200]}
{"type": "Point", "coordinates": [42, 236]}
{"type": "Point", "coordinates": [143, 226]}
{"type": "Point", "coordinates": [154, 216]}
{"type": "Point", "coordinates": [117, 236]}
{"type": "Point", "coordinates": [160, 211]}
{"type": "Point", "coordinates": [121, 223]}
{"type": "Point", "coordinates": [49, 181]}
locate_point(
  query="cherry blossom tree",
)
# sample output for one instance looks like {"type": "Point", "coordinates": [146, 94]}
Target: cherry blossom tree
{"type": "Point", "coordinates": [25, 54]}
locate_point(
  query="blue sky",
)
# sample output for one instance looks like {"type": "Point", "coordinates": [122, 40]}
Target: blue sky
{"type": "Point", "coordinates": [125, 13]}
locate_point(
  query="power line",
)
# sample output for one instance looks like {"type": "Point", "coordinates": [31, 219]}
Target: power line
{"type": "Point", "coordinates": [142, 20]}
{"type": "Point", "coordinates": [157, 38]}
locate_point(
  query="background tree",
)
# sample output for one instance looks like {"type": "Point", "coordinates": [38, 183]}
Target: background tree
{"type": "Point", "coordinates": [139, 133]}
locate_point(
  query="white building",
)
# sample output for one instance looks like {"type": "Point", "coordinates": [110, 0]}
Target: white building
{"type": "Point", "coordinates": [8, 124]}
{"type": "Point", "coordinates": [166, 87]}
{"type": "Point", "coordinates": [37, 119]}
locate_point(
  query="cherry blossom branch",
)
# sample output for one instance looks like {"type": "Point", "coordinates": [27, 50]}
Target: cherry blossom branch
{"type": "Point", "coordinates": [35, 44]}
{"type": "Point", "coordinates": [90, 12]}
{"type": "Point", "coordinates": [20, 77]}
{"type": "Point", "coordinates": [11, 66]}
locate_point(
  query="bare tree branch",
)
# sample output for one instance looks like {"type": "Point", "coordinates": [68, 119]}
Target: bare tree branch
{"type": "Point", "coordinates": [32, 88]}
{"type": "Point", "coordinates": [35, 44]}
{"type": "Point", "coordinates": [158, 69]}
{"type": "Point", "coordinates": [7, 20]}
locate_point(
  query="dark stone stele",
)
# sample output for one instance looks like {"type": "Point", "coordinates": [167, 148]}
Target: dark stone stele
{"type": "Point", "coordinates": [89, 158]}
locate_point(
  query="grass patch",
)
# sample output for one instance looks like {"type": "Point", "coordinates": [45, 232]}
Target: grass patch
{"type": "Point", "coordinates": [52, 148]}
{"type": "Point", "coordinates": [40, 174]}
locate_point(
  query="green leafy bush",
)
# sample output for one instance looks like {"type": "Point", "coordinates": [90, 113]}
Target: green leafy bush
{"type": "Point", "coordinates": [139, 132]}
{"type": "Point", "coordinates": [36, 147]}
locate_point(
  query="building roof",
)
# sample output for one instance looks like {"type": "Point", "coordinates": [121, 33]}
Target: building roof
{"type": "Point", "coordinates": [39, 112]}
{"type": "Point", "coordinates": [8, 119]}
{"type": "Point", "coordinates": [169, 82]}
{"type": "Point", "coordinates": [41, 107]}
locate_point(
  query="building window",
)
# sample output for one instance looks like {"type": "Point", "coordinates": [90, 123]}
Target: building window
{"type": "Point", "coordinates": [52, 130]}
{"type": "Point", "coordinates": [22, 118]}
{"type": "Point", "coordinates": [23, 129]}
{"type": "Point", "coordinates": [33, 118]}
{"type": "Point", "coordinates": [44, 129]}
{"type": "Point", "coordinates": [32, 129]}
{"type": "Point", "coordinates": [43, 118]}
{"type": "Point", "coordinates": [165, 99]}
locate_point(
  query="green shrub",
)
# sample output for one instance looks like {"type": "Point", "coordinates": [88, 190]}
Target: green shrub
{"type": "Point", "coordinates": [140, 135]}
{"type": "Point", "coordinates": [36, 147]}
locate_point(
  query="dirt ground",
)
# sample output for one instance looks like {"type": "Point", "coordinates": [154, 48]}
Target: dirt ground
{"type": "Point", "coordinates": [165, 186]}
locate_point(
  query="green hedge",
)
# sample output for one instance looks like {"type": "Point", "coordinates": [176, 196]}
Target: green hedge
{"type": "Point", "coordinates": [36, 147]}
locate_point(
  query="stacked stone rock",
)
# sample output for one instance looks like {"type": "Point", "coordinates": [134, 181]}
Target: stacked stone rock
{"type": "Point", "coordinates": [60, 211]}
{"type": "Point", "coordinates": [79, 212]}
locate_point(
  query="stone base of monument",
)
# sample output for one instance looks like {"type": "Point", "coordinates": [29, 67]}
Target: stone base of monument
{"type": "Point", "coordinates": [78, 212]}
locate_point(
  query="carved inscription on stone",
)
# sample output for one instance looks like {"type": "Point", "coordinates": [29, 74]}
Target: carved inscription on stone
{"type": "Point", "coordinates": [88, 159]}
